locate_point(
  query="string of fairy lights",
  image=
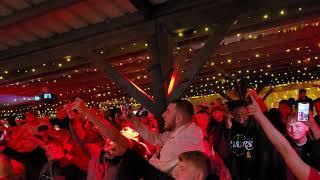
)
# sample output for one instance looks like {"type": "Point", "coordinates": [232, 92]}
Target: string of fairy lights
{"type": "Point", "coordinates": [179, 33]}
{"type": "Point", "coordinates": [206, 83]}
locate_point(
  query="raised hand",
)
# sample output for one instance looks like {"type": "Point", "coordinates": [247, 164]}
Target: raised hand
{"type": "Point", "coordinates": [253, 93]}
{"type": "Point", "coordinates": [79, 106]}
{"type": "Point", "coordinates": [254, 108]}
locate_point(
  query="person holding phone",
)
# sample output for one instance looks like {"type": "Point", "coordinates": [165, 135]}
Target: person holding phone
{"type": "Point", "coordinates": [61, 121]}
{"type": "Point", "coordinates": [298, 167]}
{"type": "Point", "coordinates": [307, 149]}
{"type": "Point", "coordinates": [305, 115]}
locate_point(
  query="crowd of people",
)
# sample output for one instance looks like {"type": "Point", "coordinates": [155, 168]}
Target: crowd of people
{"type": "Point", "coordinates": [240, 140]}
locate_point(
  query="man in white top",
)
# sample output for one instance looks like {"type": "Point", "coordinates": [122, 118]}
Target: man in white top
{"type": "Point", "coordinates": [181, 135]}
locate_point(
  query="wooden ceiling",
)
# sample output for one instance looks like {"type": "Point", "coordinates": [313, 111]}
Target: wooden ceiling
{"type": "Point", "coordinates": [266, 46]}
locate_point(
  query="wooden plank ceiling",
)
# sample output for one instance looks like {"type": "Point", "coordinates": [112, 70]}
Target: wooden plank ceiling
{"type": "Point", "coordinates": [76, 15]}
{"type": "Point", "coordinates": [269, 48]}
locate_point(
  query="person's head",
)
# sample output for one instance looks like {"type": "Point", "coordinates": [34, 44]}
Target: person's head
{"type": "Point", "coordinates": [296, 130]}
{"type": "Point", "coordinates": [177, 114]}
{"type": "Point", "coordinates": [292, 101]}
{"type": "Point", "coordinates": [43, 132]}
{"type": "Point", "coordinates": [202, 115]}
{"type": "Point", "coordinates": [10, 121]}
{"type": "Point", "coordinates": [274, 115]}
{"type": "Point", "coordinates": [302, 94]}
{"type": "Point", "coordinates": [61, 113]}
{"type": "Point", "coordinates": [285, 108]}
{"type": "Point", "coordinates": [192, 165]}
{"type": "Point", "coordinates": [219, 102]}
{"type": "Point", "coordinates": [317, 106]}
{"type": "Point", "coordinates": [30, 116]}
{"type": "Point", "coordinates": [112, 149]}
{"type": "Point", "coordinates": [202, 119]}
{"type": "Point", "coordinates": [239, 111]}
{"type": "Point", "coordinates": [218, 113]}
{"type": "Point", "coordinates": [203, 106]}
{"type": "Point", "coordinates": [199, 108]}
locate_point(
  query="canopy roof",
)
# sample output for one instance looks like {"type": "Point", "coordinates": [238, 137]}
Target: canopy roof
{"type": "Point", "coordinates": [42, 44]}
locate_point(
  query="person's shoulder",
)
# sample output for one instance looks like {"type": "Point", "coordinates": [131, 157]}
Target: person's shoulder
{"type": "Point", "coordinates": [313, 144]}
{"type": "Point", "coordinates": [191, 131]}
{"type": "Point", "coordinates": [193, 127]}
{"type": "Point", "coordinates": [309, 99]}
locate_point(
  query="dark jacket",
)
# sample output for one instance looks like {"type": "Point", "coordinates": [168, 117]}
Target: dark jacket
{"type": "Point", "coordinates": [249, 152]}
{"type": "Point", "coordinates": [219, 138]}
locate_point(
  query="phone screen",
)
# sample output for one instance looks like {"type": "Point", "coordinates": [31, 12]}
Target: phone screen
{"type": "Point", "coordinates": [303, 111]}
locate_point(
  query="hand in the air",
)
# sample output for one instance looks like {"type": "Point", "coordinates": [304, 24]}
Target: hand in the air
{"type": "Point", "coordinates": [79, 106]}
{"type": "Point", "coordinates": [254, 108]}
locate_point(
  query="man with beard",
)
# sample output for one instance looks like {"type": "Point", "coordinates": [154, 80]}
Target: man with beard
{"type": "Point", "coordinates": [181, 135]}
{"type": "Point", "coordinates": [181, 144]}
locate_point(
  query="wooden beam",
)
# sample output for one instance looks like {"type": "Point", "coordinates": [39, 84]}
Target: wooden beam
{"type": "Point", "coordinates": [34, 10]}
{"type": "Point", "coordinates": [199, 60]}
{"type": "Point", "coordinates": [132, 89]}
{"type": "Point", "coordinates": [118, 30]}
{"type": "Point", "coordinates": [161, 65]}
{"type": "Point", "coordinates": [144, 7]}
{"type": "Point", "coordinates": [161, 50]}
{"type": "Point", "coordinates": [131, 25]}
{"type": "Point", "coordinates": [224, 95]}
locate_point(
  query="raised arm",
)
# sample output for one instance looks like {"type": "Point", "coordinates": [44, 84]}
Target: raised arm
{"type": "Point", "coordinates": [152, 137]}
{"type": "Point", "coordinates": [104, 127]}
{"type": "Point", "coordinates": [313, 127]}
{"type": "Point", "coordinates": [299, 168]}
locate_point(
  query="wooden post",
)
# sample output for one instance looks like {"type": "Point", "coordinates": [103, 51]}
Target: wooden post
{"type": "Point", "coordinates": [161, 65]}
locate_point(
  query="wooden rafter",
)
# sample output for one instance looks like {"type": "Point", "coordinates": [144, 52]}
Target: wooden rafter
{"type": "Point", "coordinates": [131, 88]}
{"type": "Point", "coordinates": [199, 60]}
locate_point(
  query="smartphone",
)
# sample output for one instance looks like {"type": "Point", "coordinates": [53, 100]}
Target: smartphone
{"type": "Point", "coordinates": [303, 111]}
